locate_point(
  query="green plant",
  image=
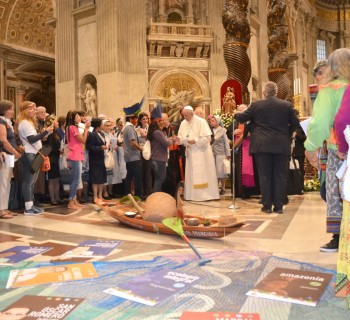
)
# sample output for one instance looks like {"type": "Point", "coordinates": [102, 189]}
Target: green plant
{"type": "Point", "coordinates": [312, 184]}
{"type": "Point", "coordinates": [226, 118]}
{"type": "Point", "coordinates": [126, 200]}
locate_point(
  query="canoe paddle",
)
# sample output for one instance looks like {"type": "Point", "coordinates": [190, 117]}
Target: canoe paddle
{"type": "Point", "coordinates": [176, 225]}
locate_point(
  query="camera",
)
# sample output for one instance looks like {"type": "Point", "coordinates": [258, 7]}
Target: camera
{"type": "Point", "coordinates": [49, 120]}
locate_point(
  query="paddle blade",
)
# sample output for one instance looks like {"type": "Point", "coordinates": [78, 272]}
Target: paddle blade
{"type": "Point", "coordinates": [174, 224]}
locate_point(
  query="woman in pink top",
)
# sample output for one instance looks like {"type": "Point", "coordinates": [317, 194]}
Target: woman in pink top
{"type": "Point", "coordinates": [75, 141]}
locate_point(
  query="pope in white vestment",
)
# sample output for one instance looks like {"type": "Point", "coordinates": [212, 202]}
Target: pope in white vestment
{"type": "Point", "coordinates": [200, 175]}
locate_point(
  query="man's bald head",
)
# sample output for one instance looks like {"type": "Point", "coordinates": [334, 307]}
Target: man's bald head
{"type": "Point", "coordinates": [199, 112]}
{"type": "Point", "coordinates": [165, 119]}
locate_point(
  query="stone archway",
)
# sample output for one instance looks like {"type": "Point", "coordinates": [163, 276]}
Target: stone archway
{"type": "Point", "coordinates": [38, 80]}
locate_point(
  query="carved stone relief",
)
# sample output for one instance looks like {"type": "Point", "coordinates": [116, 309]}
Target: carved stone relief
{"type": "Point", "coordinates": [180, 82]}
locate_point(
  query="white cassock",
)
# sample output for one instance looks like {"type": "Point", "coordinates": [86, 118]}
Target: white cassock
{"type": "Point", "coordinates": [200, 177]}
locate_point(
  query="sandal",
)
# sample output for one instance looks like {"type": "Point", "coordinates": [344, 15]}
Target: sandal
{"type": "Point", "coordinates": [98, 201]}
{"type": "Point", "coordinates": [6, 216]}
{"type": "Point", "coordinates": [14, 214]}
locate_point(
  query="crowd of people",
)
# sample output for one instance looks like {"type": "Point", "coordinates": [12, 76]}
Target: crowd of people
{"type": "Point", "coordinates": [103, 157]}
{"type": "Point", "coordinates": [99, 155]}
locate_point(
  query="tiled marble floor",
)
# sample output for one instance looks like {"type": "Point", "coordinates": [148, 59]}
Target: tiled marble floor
{"type": "Point", "coordinates": [297, 234]}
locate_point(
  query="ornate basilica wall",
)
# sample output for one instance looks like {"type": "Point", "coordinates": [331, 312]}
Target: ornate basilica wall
{"type": "Point", "coordinates": [110, 54]}
{"type": "Point", "coordinates": [27, 52]}
{"type": "Point", "coordinates": [132, 49]}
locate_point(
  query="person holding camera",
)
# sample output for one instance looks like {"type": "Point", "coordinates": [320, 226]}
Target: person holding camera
{"type": "Point", "coordinates": [27, 128]}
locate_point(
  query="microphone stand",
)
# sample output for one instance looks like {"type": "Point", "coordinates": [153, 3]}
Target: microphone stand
{"type": "Point", "coordinates": [233, 206]}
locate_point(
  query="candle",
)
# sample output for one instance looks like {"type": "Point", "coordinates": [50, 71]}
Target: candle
{"type": "Point", "coordinates": [294, 89]}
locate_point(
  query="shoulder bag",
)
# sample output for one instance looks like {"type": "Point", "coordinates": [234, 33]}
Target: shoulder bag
{"type": "Point", "coordinates": [41, 160]}
{"type": "Point", "coordinates": [108, 154]}
{"type": "Point", "coordinates": [146, 150]}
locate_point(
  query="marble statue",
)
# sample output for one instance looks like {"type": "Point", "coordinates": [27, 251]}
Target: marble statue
{"type": "Point", "coordinates": [89, 97]}
{"type": "Point", "coordinates": [177, 100]}
{"type": "Point", "coordinates": [181, 97]}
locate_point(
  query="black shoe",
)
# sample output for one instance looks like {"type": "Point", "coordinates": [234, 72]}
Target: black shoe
{"type": "Point", "coordinates": [331, 246]}
{"type": "Point", "coordinates": [278, 210]}
{"type": "Point", "coordinates": [37, 203]}
{"type": "Point", "coordinates": [266, 210]}
{"type": "Point", "coordinates": [107, 198]}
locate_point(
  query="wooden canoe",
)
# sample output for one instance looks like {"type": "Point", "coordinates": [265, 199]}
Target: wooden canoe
{"type": "Point", "coordinates": [117, 211]}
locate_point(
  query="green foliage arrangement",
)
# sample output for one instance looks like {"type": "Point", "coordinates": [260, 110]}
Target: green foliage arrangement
{"type": "Point", "coordinates": [226, 118]}
{"type": "Point", "coordinates": [312, 185]}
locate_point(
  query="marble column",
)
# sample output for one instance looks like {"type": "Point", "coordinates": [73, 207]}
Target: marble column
{"type": "Point", "coordinates": [346, 39]}
{"type": "Point", "coordinates": [190, 17]}
{"type": "Point", "coordinates": [21, 90]}
{"type": "Point", "coordinates": [2, 80]}
{"type": "Point", "coordinates": [161, 11]}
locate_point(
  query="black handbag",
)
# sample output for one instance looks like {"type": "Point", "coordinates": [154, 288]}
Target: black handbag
{"type": "Point", "coordinates": [294, 183]}
{"type": "Point", "coordinates": [15, 199]}
{"type": "Point", "coordinates": [66, 176]}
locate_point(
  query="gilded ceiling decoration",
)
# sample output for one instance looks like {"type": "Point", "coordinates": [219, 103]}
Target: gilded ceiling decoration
{"type": "Point", "coordinates": [5, 11]}
{"type": "Point", "coordinates": [28, 25]}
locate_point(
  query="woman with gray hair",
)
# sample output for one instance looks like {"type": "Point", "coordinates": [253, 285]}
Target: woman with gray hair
{"type": "Point", "coordinates": [327, 103]}
{"type": "Point", "coordinates": [221, 150]}
{"type": "Point", "coordinates": [8, 141]}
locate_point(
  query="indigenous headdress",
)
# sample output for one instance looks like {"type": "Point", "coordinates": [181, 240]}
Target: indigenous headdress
{"type": "Point", "coordinates": [157, 112]}
{"type": "Point", "coordinates": [135, 109]}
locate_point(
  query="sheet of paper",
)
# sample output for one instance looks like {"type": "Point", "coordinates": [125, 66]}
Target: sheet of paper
{"type": "Point", "coordinates": [305, 124]}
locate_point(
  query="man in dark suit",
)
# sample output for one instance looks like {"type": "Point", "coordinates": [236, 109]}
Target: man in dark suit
{"type": "Point", "coordinates": [272, 123]}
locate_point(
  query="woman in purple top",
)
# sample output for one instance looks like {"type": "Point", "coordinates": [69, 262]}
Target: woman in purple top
{"type": "Point", "coordinates": [159, 149]}
{"type": "Point", "coordinates": [342, 119]}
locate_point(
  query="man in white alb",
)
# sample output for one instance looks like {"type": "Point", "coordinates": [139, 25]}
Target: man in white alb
{"type": "Point", "coordinates": [200, 176]}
